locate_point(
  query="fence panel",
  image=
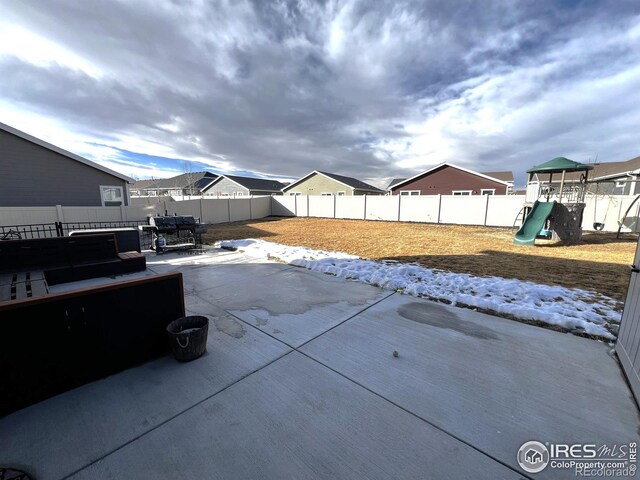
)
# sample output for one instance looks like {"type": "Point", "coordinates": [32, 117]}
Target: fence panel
{"type": "Point", "coordinates": [350, 207]}
{"type": "Point", "coordinates": [503, 210]}
{"type": "Point", "coordinates": [382, 207]}
{"type": "Point", "coordinates": [320, 206]}
{"type": "Point", "coordinates": [141, 212]}
{"type": "Point", "coordinates": [463, 210]}
{"type": "Point", "coordinates": [260, 207]}
{"type": "Point", "coordinates": [28, 215]}
{"type": "Point", "coordinates": [302, 205]}
{"type": "Point", "coordinates": [283, 206]}
{"type": "Point", "coordinates": [419, 208]}
{"type": "Point", "coordinates": [92, 214]}
{"type": "Point", "coordinates": [239, 209]}
{"type": "Point", "coordinates": [215, 210]}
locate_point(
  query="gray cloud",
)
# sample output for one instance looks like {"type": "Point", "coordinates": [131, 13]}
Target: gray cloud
{"type": "Point", "coordinates": [369, 89]}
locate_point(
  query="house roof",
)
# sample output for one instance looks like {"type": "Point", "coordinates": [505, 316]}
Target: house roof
{"type": "Point", "coordinates": [395, 181]}
{"type": "Point", "coordinates": [560, 164]}
{"type": "Point", "coordinates": [191, 179]}
{"type": "Point", "coordinates": [504, 176]}
{"type": "Point", "coordinates": [348, 181]}
{"type": "Point", "coordinates": [72, 156]}
{"type": "Point", "coordinates": [614, 169]}
{"type": "Point", "coordinates": [261, 184]}
{"type": "Point", "coordinates": [447, 164]}
{"type": "Point", "coordinates": [142, 184]}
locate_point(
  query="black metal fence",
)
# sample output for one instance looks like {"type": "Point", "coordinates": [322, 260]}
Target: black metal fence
{"type": "Point", "coordinates": [61, 229]}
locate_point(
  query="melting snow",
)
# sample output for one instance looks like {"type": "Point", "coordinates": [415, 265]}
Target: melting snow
{"type": "Point", "coordinates": [571, 308]}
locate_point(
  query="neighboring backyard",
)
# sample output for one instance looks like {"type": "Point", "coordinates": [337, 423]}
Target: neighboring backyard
{"type": "Point", "coordinates": [599, 262]}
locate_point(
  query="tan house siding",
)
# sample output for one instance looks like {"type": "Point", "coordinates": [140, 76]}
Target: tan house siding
{"type": "Point", "coordinates": [317, 185]}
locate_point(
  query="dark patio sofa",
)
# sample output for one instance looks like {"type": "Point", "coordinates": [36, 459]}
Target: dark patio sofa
{"type": "Point", "coordinates": [56, 342]}
{"type": "Point", "coordinates": [68, 259]}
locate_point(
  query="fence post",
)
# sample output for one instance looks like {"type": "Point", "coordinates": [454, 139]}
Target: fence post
{"type": "Point", "coordinates": [229, 208]}
{"type": "Point", "coordinates": [123, 213]}
{"type": "Point", "coordinates": [308, 206]}
{"type": "Point", "coordinates": [250, 208]}
{"type": "Point", "coordinates": [335, 199]}
{"type": "Point", "coordinates": [295, 205]}
{"type": "Point", "coordinates": [399, 205]}
{"type": "Point", "coordinates": [201, 211]}
{"type": "Point", "coordinates": [439, 206]}
{"type": "Point", "coordinates": [486, 210]}
{"type": "Point", "coordinates": [365, 207]}
{"type": "Point", "coordinates": [60, 213]}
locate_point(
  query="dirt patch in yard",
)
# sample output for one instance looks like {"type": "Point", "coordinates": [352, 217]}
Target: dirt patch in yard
{"type": "Point", "coordinates": [599, 262]}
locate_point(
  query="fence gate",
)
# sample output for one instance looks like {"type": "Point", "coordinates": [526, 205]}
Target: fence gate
{"type": "Point", "coordinates": [628, 344]}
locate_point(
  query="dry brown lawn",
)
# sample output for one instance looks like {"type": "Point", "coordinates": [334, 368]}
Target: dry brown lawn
{"type": "Point", "coordinates": [599, 262]}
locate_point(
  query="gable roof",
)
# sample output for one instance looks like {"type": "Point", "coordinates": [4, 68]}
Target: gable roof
{"type": "Point", "coordinates": [142, 184]}
{"type": "Point", "coordinates": [395, 181]}
{"type": "Point", "coordinates": [250, 183]}
{"type": "Point", "coordinates": [447, 164]}
{"type": "Point", "coordinates": [58, 150]}
{"type": "Point", "coordinates": [192, 179]}
{"type": "Point", "coordinates": [504, 176]}
{"type": "Point", "coordinates": [614, 169]}
{"type": "Point", "coordinates": [348, 181]}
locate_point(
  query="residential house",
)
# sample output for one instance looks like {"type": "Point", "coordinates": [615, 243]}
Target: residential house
{"type": "Point", "coordinates": [449, 179]}
{"type": "Point", "coordinates": [139, 187]}
{"type": "Point", "coordinates": [186, 184]}
{"type": "Point", "coordinates": [617, 178]}
{"type": "Point", "coordinates": [36, 173]}
{"type": "Point", "coordinates": [236, 186]}
{"type": "Point", "coordinates": [606, 178]}
{"type": "Point", "coordinates": [324, 183]}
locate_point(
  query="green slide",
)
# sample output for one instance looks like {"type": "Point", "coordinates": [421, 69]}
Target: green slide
{"type": "Point", "coordinates": [533, 223]}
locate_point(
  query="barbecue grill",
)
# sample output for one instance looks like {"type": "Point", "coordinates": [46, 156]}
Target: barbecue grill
{"type": "Point", "coordinates": [180, 227]}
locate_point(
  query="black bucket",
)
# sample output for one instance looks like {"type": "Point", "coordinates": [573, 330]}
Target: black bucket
{"type": "Point", "coordinates": [188, 337]}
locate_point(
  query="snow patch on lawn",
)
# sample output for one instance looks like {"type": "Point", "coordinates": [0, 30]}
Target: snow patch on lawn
{"type": "Point", "coordinates": [574, 309]}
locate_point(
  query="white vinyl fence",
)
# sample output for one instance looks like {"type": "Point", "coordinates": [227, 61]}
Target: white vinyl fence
{"type": "Point", "coordinates": [489, 210]}
{"type": "Point", "coordinates": [208, 210]}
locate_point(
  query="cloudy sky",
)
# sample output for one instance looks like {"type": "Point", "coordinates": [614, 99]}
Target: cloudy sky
{"type": "Point", "coordinates": [371, 89]}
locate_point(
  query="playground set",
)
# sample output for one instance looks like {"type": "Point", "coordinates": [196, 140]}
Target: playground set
{"type": "Point", "coordinates": [552, 212]}
{"type": "Point", "coordinates": [555, 210]}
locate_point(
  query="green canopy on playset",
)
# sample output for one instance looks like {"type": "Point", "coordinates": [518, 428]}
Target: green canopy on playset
{"type": "Point", "coordinates": [559, 165]}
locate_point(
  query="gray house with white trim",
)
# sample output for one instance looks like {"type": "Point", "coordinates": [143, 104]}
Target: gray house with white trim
{"type": "Point", "coordinates": [35, 173]}
{"type": "Point", "coordinates": [236, 186]}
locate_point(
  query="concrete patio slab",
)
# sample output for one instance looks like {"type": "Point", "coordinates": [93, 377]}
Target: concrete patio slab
{"type": "Point", "coordinates": [306, 303]}
{"type": "Point", "coordinates": [491, 382]}
{"type": "Point", "coordinates": [296, 419]}
{"type": "Point", "coordinates": [56, 437]}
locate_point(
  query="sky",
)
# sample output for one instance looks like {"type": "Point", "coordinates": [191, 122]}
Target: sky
{"type": "Point", "coordinates": [374, 90]}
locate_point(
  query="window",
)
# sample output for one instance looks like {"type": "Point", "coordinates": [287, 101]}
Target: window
{"type": "Point", "coordinates": [342, 193]}
{"type": "Point", "coordinates": [239, 194]}
{"type": "Point", "coordinates": [111, 196]}
{"type": "Point", "coordinates": [620, 184]}
{"type": "Point", "coordinates": [326, 194]}
{"type": "Point", "coordinates": [461, 192]}
{"type": "Point", "coordinates": [410, 192]}
{"type": "Point", "coordinates": [488, 191]}
{"type": "Point", "coordinates": [295, 194]}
